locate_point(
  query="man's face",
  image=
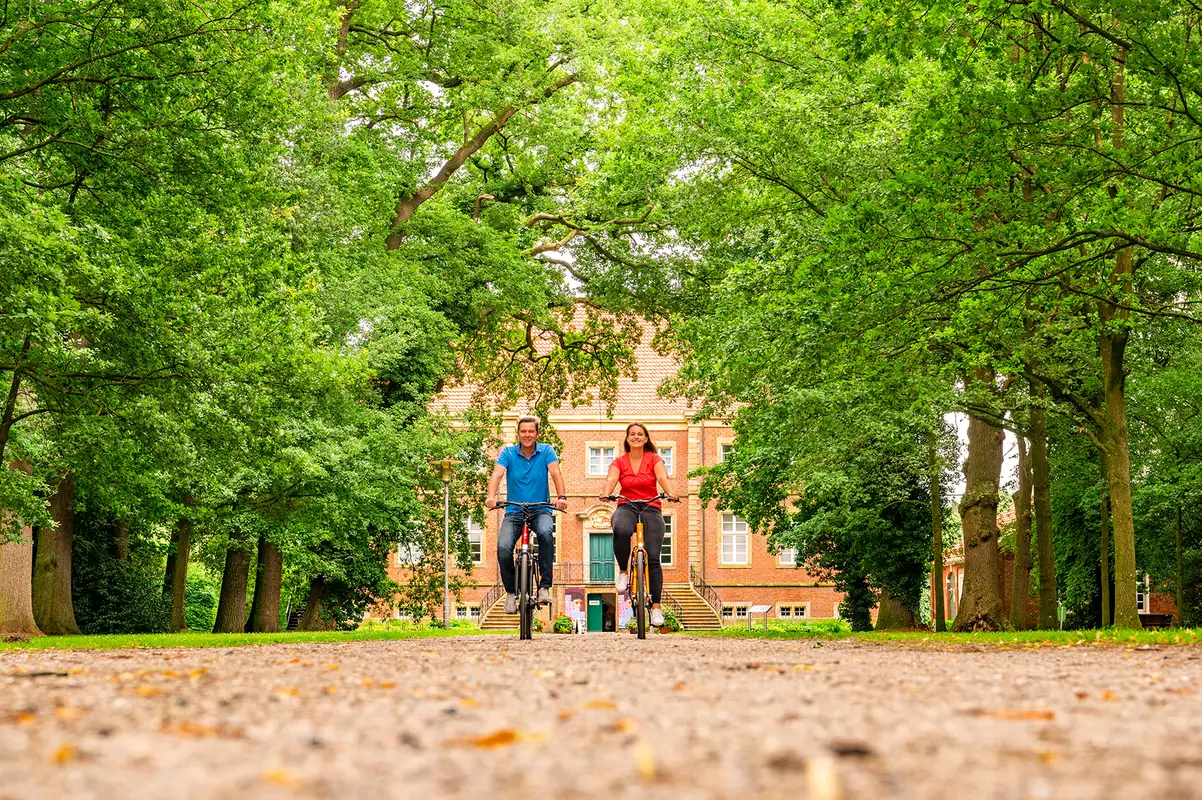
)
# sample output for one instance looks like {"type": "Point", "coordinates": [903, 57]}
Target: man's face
{"type": "Point", "coordinates": [527, 434]}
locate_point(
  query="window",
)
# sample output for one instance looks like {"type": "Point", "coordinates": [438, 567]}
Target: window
{"type": "Point", "coordinates": [599, 459]}
{"type": "Point", "coordinates": [665, 553]}
{"type": "Point", "coordinates": [554, 540]}
{"type": "Point", "coordinates": [668, 454]}
{"type": "Point", "coordinates": [734, 540]}
{"type": "Point", "coordinates": [793, 611]}
{"type": "Point", "coordinates": [475, 537]}
{"type": "Point", "coordinates": [407, 555]}
{"type": "Point", "coordinates": [724, 451]}
{"type": "Point", "coordinates": [469, 611]}
{"type": "Point", "coordinates": [1143, 595]}
{"type": "Point", "coordinates": [788, 556]}
{"type": "Point", "coordinates": [733, 611]}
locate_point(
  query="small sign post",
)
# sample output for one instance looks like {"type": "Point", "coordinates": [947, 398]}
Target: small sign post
{"type": "Point", "coordinates": [758, 610]}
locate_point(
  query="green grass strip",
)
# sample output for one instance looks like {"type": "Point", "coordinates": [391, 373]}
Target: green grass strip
{"type": "Point", "coordinates": [1012, 639]}
{"type": "Point", "coordinates": [123, 641]}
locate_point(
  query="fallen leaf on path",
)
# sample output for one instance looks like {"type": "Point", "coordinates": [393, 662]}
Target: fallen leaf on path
{"type": "Point", "coordinates": [287, 691]}
{"type": "Point", "coordinates": [69, 712]}
{"type": "Point", "coordinates": [599, 705]}
{"type": "Point", "coordinates": [624, 725]}
{"type": "Point", "coordinates": [1017, 713]}
{"type": "Point", "coordinates": [468, 702]}
{"type": "Point", "coordinates": [280, 777]}
{"type": "Point", "coordinates": [544, 673]}
{"type": "Point", "coordinates": [329, 690]}
{"type": "Point", "coordinates": [331, 667]}
{"type": "Point", "coordinates": [501, 738]}
{"type": "Point", "coordinates": [1049, 756]}
{"type": "Point", "coordinates": [386, 685]}
{"type": "Point", "coordinates": [65, 753]}
{"type": "Point", "coordinates": [199, 731]}
{"type": "Point", "coordinates": [644, 761]}
{"type": "Point", "coordinates": [682, 687]}
{"type": "Point", "coordinates": [146, 691]}
{"type": "Point", "coordinates": [1180, 690]}
{"type": "Point", "coordinates": [197, 672]}
{"type": "Point", "coordinates": [1110, 696]}
{"type": "Point", "coordinates": [77, 671]}
{"type": "Point", "coordinates": [170, 673]}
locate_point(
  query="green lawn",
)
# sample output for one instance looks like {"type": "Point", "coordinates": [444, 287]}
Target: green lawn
{"type": "Point", "coordinates": [834, 629]}
{"type": "Point", "coordinates": [118, 641]}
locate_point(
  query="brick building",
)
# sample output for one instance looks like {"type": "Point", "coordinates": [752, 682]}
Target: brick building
{"type": "Point", "coordinates": [715, 568]}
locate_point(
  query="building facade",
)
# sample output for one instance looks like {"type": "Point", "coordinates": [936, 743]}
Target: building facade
{"type": "Point", "coordinates": [710, 555]}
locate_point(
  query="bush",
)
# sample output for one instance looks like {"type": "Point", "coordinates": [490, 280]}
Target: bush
{"type": "Point", "coordinates": [671, 623]}
{"type": "Point", "coordinates": [562, 624]}
{"type": "Point", "coordinates": [114, 596]}
{"type": "Point", "coordinates": [200, 599]}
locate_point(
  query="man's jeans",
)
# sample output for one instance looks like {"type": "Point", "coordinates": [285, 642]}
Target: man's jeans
{"type": "Point", "coordinates": [511, 528]}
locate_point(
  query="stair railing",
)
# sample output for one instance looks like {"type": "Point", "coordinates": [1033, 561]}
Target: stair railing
{"type": "Point", "coordinates": [707, 592]}
{"type": "Point", "coordinates": [675, 605]}
{"type": "Point", "coordinates": [490, 599]}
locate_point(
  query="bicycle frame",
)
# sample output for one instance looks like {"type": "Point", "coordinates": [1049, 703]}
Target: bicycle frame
{"type": "Point", "coordinates": [638, 564]}
{"type": "Point", "coordinates": [526, 568]}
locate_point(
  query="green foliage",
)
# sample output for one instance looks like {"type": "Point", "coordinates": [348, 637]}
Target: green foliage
{"type": "Point", "coordinates": [111, 595]}
{"type": "Point", "coordinates": [201, 594]}
{"type": "Point", "coordinates": [561, 624]}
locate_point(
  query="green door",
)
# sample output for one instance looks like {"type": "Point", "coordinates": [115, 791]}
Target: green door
{"type": "Point", "coordinates": [600, 558]}
{"type": "Point", "coordinates": [596, 613]}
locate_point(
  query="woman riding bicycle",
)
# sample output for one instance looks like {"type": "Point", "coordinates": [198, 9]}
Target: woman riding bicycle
{"type": "Point", "coordinates": [638, 471]}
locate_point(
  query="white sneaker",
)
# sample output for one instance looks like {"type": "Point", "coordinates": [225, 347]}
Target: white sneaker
{"type": "Point", "coordinates": [544, 595]}
{"type": "Point", "coordinates": [622, 582]}
{"type": "Point", "coordinates": [657, 618]}
{"type": "Point", "coordinates": [511, 604]}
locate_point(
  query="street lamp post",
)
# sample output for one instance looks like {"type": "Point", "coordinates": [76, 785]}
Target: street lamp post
{"type": "Point", "coordinates": [447, 466]}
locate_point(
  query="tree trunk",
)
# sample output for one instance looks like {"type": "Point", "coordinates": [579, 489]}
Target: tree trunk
{"type": "Point", "coordinates": [311, 620]}
{"type": "Point", "coordinates": [1049, 598]}
{"type": "Point", "coordinates": [16, 588]}
{"type": "Point", "coordinates": [1180, 599]}
{"type": "Point", "coordinates": [52, 608]}
{"type": "Point", "coordinates": [265, 608]}
{"type": "Point", "coordinates": [231, 607]}
{"type": "Point", "coordinates": [936, 531]}
{"type": "Point", "coordinates": [119, 545]}
{"type": "Point", "coordinates": [981, 607]}
{"type": "Point", "coordinates": [1104, 546]}
{"type": "Point", "coordinates": [177, 569]}
{"type": "Point", "coordinates": [1021, 585]}
{"type": "Point", "coordinates": [892, 615]}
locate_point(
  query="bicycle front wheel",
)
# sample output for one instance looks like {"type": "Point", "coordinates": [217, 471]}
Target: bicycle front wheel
{"type": "Point", "coordinates": [640, 600]}
{"type": "Point", "coordinates": [525, 599]}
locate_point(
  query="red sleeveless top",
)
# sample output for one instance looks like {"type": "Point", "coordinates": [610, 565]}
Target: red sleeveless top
{"type": "Point", "coordinates": [640, 486]}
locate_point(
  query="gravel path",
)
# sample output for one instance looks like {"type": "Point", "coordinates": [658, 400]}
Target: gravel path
{"type": "Point", "coordinates": [602, 715]}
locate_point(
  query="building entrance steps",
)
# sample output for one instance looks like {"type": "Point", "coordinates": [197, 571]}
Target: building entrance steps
{"type": "Point", "coordinates": [494, 617]}
{"type": "Point", "coordinates": [694, 613]}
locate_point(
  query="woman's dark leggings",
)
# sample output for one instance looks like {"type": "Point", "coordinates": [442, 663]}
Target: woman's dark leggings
{"type": "Point", "coordinates": [623, 522]}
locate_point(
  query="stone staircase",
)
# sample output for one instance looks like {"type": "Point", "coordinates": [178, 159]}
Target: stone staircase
{"type": "Point", "coordinates": [494, 617]}
{"type": "Point", "coordinates": [695, 614]}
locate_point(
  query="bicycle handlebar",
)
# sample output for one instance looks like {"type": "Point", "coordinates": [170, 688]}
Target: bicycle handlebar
{"type": "Point", "coordinates": [499, 504]}
{"type": "Point", "coordinates": [660, 496]}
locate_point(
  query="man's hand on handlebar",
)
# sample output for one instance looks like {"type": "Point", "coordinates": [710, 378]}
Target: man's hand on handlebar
{"type": "Point", "coordinates": [490, 503]}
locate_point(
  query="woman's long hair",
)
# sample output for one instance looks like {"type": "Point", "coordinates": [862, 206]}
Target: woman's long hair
{"type": "Point", "coordinates": [649, 447]}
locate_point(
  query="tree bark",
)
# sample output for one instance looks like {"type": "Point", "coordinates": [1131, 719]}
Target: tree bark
{"type": "Point", "coordinates": [1021, 585]}
{"type": "Point", "coordinates": [981, 607]}
{"type": "Point", "coordinates": [231, 607]}
{"type": "Point", "coordinates": [8, 414]}
{"type": "Point", "coordinates": [892, 614]}
{"type": "Point", "coordinates": [265, 608]}
{"type": "Point", "coordinates": [120, 541]}
{"type": "Point", "coordinates": [1049, 598]}
{"type": "Point", "coordinates": [311, 620]}
{"type": "Point", "coordinates": [936, 531]}
{"type": "Point", "coordinates": [16, 588]}
{"type": "Point", "coordinates": [1104, 546]}
{"type": "Point", "coordinates": [177, 568]}
{"type": "Point", "coordinates": [52, 608]}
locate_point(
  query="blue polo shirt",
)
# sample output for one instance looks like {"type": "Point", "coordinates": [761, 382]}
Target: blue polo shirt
{"type": "Point", "coordinates": [526, 478]}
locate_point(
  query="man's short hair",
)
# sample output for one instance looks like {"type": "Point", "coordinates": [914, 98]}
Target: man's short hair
{"type": "Point", "coordinates": [524, 420]}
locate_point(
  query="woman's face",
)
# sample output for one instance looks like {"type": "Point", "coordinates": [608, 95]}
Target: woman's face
{"type": "Point", "coordinates": [636, 436]}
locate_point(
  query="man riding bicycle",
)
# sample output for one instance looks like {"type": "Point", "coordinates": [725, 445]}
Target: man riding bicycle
{"type": "Point", "coordinates": [526, 467]}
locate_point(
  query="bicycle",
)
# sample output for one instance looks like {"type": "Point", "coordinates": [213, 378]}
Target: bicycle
{"type": "Point", "coordinates": [527, 568]}
{"type": "Point", "coordinates": [637, 568]}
